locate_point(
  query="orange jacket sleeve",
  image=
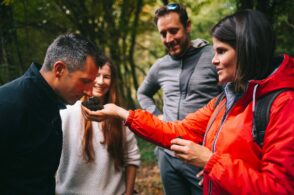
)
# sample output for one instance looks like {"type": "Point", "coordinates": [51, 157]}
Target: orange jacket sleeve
{"type": "Point", "coordinates": [161, 133]}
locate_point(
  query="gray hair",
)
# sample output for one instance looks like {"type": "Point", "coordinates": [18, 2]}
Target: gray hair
{"type": "Point", "coordinates": [73, 50]}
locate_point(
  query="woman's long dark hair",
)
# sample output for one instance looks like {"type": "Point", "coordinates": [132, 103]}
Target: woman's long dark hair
{"type": "Point", "coordinates": [112, 128]}
{"type": "Point", "coordinates": [251, 35]}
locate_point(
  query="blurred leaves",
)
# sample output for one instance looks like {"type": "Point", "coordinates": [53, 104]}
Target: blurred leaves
{"type": "Point", "coordinates": [123, 29]}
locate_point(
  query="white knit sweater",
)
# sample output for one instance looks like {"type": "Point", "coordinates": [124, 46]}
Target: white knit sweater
{"type": "Point", "coordinates": [74, 175]}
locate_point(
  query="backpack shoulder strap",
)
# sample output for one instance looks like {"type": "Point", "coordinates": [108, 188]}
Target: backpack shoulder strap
{"type": "Point", "coordinates": [262, 115]}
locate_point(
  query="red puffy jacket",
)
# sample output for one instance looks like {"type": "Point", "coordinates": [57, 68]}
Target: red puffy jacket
{"type": "Point", "coordinates": [238, 165]}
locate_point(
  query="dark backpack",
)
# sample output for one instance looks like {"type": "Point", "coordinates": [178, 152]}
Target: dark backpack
{"type": "Point", "coordinates": [261, 114]}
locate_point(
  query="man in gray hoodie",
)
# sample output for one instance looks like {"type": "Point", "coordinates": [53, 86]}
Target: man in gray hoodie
{"type": "Point", "coordinates": [188, 80]}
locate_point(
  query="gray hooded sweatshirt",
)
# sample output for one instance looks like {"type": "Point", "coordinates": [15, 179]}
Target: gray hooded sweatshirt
{"type": "Point", "coordinates": [188, 82]}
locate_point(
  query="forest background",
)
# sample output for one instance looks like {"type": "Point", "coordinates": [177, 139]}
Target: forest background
{"type": "Point", "coordinates": [122, 29]}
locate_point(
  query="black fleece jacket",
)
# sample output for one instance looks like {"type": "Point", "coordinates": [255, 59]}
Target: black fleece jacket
{"type": "Point", "coordinates": [30, 135]}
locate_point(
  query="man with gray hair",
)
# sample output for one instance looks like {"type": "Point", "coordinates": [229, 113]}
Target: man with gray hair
{"type": "Point", "coordinates": [31, 135]}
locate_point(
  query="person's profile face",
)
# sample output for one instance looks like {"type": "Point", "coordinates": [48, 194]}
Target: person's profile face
{"type": "Point", "coordinates": [74, 85]}
{"type": "Point", "coordinates": [102, 82]}
{"type": "Point", "coordinates": [174, 35]}
{"type": "Point", "coordinates": [225, 60]}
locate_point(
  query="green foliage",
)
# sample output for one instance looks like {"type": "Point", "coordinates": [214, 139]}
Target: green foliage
{"type": "Point", "coordinates": [146, 151]}
{"type": "Point", "coordinates": [280, 13]}
{"type": "Point", "coordinates": [284, 28]}
{"type": "Point", "coordinates": [123, 29]}
{"type": "Point", "coordinates": [7, 2]}
{"type": "Point", "coordinates": [207, 14]}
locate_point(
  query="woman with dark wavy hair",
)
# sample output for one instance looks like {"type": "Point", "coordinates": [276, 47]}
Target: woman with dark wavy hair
{"type": "Point", "coordinates": [220, 136]}
{"type": "Point", "coordinates": [97, 157]}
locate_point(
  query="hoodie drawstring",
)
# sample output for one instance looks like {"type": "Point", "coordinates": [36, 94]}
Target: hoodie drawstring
{"type": "Point", "coordinates": [254, 132]}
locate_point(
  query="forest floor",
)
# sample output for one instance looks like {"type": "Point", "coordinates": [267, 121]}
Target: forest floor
{"type": "Point", "coordinates": [148, 180]}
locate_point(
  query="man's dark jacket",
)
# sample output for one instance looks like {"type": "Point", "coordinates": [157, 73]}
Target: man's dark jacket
{"type": "Point", "coordinates": [30, 135]}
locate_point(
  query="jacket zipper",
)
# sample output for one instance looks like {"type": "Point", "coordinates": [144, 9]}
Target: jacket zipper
{"type": "Point", "coordinates": [214, 142]}
{"type": "Point", "coordinates": [179, 103]}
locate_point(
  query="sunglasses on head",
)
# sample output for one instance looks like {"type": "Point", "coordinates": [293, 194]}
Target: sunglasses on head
{"type": "Point", "coordinates": [172, 6]}
{"type": "Point", "coordinates": [169, 7]}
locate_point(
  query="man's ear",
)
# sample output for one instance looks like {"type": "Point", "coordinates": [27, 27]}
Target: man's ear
{"type": "Point", "coordinates": [188, 26]}
{"type": "Point", "coordinates": [59, 68]}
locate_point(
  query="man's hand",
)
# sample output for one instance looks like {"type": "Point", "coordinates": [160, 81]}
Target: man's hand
{"type": "Point", "coordinates": [191, 152]}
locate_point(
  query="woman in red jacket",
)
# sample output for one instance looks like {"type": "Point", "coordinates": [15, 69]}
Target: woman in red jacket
{"type": "Point", "coordinates": [219, 138]}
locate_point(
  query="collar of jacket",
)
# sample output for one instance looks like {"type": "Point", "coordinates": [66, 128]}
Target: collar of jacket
{"type": "Point", "coordinates": [194, 48]}
{"type": "Point", "coordinates": [41, 83]}
{"type": "Point", "coordinates": [280, 78]}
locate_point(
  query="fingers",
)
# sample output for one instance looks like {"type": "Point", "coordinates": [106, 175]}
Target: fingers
{"type": "Point", "coordinates": [200, 176]}
{"type": "Point", "coordinates": [179, 141]}
{"type": "Point", "coordinates": [200, 183]}
{"type": "Point", "coordinates": [160, 117]}
{"type": "Point", "coordinates": [200, 173]}
{"type": "Point", "coordinates": [91, 115]}
{"type": "Point", "coordinates": [181, 151]}
{"type": "Point", "coordinates": [178, 145]}
{"type": "Point", "coordinates": [85, 112]}
{"type": "Point", "coordinates": [182, 156]}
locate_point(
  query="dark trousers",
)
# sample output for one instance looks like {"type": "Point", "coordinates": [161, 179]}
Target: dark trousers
{"type": "Point", "coordinates": [177, 177]}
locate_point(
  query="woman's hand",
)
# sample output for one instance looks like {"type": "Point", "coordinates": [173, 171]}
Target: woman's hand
{"type": "Point", "coordinates": [191, 152]}
{"type": "Point", "coordinates": [109, 111]}
{"type": "Point", "coordinates": [200, 176]}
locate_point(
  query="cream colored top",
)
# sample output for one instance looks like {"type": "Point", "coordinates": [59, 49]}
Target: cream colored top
{"type": "Point", "coordinates": [74, 175]}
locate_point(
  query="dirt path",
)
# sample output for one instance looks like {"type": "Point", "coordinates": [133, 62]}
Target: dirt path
{"type": "Point", "coordinates": [148, 180]}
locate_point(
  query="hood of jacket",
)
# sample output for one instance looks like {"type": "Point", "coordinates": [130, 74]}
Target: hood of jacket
{"type": "Point", "coordinates": [281, 78]}
{"type": "Point", "coordinates": [194, 48]}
